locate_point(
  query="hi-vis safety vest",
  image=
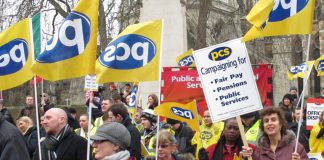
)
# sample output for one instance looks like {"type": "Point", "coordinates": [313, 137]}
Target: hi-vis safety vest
{"type": "Point", "coordinates": [252, 134]}
{"type": "Point", "coordinates": [207, 136]}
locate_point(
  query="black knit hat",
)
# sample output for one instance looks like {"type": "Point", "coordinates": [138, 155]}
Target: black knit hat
{"type": "Point", "coordinates": [288, 96]}
{"type": "Point", "coordinates": [149, 115]}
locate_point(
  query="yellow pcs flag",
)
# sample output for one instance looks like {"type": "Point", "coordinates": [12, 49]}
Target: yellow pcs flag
{"type": "Point", "coordinates": [71, 52]}
{"type": "Point", "coordinates": [133, 55]}
{"type": "Point", "coordinates": [272, 18]}
{"type": "Point", "coordinates": [182, 112]}
{"type": "Point", "coordinates": [299, 70]}
{"type": "Point", "coordinates": [186, 59]}
{"type": "Point", "coordinates": [319, 66]}
{"type": "Point", "coordinates": [16, 55]}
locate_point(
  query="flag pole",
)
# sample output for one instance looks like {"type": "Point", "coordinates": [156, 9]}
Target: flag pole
{"type": "Point", "coordinates": [35, 88]}
{"type": "Point", "coordinates": [304, 86]}
{"type": "Point", "coordinates": [160, 83]}
{"type": "Point", "coordinates": [1, 97]}
{"type": "Point", "coordinates": [89, 128]}
{"type": "Point", "coordinates": [241, 128]}
{"type": "Point", "coordinates": [198, 123]}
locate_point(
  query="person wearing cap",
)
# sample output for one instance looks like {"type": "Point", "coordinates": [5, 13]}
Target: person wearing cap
{"type": "Point", "coordinates": [251, 122]}
{"type": "Point", "coordinates": [45, 102]}
{"type": "Point", "coordinates": [5, 113]}
{"type": "Point", "coordinates": [111, 141]}
{"type": "Point", "coordinates": [119, 113]}
{"type": "Point", "coordinates": [149, 120]}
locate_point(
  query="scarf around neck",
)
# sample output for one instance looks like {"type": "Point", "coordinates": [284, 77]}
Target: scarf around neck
{"type": "Point", "coordinates": [51, 142]}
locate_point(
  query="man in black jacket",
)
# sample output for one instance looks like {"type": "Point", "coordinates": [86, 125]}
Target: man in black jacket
{"type": "Point", "coordinates": [12, 144]}
{"type": "Point", "coordinates": [183, 135]}
{"type": "Point", "coordinates": [303, 134]}
{"type": "Point", "coordinates": [119, 113]}
{"type": "Point", "coordinates": [60, 142]}
{"type": "Point", "coordinates": [6, 114]}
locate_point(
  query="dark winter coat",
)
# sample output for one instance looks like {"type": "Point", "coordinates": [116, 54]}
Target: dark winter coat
{"type": "Point", "coordinates": [135, 147]}
{"type": "Point", "coordinates": [6, 115]}
{"type": "Point", "coordinates": [12, 143]}
{"type": "Point", "coordinates": [284, 150]}
{"type": "Point", "coordinates": [303, 134]}
{"type": "Point", "coordinates": [72, 147]}
{"type": "Point", "coordinates": [31, 139]}
{"type": "Point", "coordinates": [183, 136]}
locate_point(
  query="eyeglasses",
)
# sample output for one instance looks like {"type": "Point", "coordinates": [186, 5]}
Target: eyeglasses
{"type": "Point", "coordinates": [165, 145]}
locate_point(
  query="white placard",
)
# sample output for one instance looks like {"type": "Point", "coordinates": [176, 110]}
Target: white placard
{"type": "Point", "coordinates": [313, 114]}
{"type": "Point", "coordinates": [315, 156]}
{"type": "Point", "coordinates": [90, 83]}
{"type": "Point", "coordinates": [227, 79]}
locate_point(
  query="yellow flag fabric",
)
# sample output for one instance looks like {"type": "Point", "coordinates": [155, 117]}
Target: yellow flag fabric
{"type": "Point", "coordinates": [16, 55]}
{"type": "Point", "coordinates": [206, 136]}
{"type": "Point", "coordinates": [319, 65]}
{"type": "Point", "coordinates": [71, 52]}
{"type": "Point", "coordinates": [186, 59]}
{"type": "Point", "coordinates": [133, 55]}
{"type": "Point", "coordinates": [272, 18]}
{"type": "Point", "coordinates": [182, 112]}
{"type": "Point", "coordinates": [299, 70]}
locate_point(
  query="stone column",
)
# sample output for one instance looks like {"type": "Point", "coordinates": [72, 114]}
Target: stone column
{"type": "Point", "coordinates": [174, 41]}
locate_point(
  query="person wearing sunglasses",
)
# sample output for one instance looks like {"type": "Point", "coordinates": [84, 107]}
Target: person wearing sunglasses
{"type": "Point", "coordinates": [111, 141]}
{"type": "Point", "coordinates": [166, 146]}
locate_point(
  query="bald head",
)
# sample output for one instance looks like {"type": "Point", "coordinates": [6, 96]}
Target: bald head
{"type": "Point", "coordinates": [54, 120]}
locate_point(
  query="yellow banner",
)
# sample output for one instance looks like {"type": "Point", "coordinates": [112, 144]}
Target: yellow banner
{"type": "Point", "coordinates": [319, 66]}
{"type": "Point", "coordinates": [16, 55]}
{"type": "Point", "coordinates": [280, 18]}
{"type": "Point", "coordinates": [133, 55]}
{"type": "Point", "coordinates": [186, 59]}
{"type": "Point", "coordinates": [182, 112]}
{"type": "Point", "coordinates": [71, 52]}
{"type": "Point", "coordinates": [299, 70]}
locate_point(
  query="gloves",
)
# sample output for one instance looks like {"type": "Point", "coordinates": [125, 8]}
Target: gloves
{"type": "Point", "coordinates": [203, 154]}
{"type": "Point", "coordinates": [320, 133]}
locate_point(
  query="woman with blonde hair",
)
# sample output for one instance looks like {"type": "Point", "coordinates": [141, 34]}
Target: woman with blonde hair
{"type": "Point", "coordinates": [26, 126]}
{"type": "Point", "coordinates": [167, 146]}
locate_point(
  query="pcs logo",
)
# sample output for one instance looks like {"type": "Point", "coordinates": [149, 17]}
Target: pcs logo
{"type": "Point", "coordinates": [71, 39]}
{"type": "Point", "coordinates": [13, 56]}
{"type": "Point", "coordinates": [282, 9]}
{"type": "Point", "coordinates": [220, 53]}
{"type": "Point", "coordinates": [182, 112]}
{"type": "Point", "coordinates": [320, 65]}
{"type": "Point", "coordinates": [128, 52]}
{"type": "Point", "coordinates": [298, 68]}
{"type": "Point", "coordinates": [186, 61]}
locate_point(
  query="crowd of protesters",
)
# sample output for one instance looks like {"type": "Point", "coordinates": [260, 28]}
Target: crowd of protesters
{"type": "Point", "coordinates": [117, 133]}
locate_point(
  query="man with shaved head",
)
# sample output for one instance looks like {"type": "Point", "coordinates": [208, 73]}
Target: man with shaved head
{"type": "Point", "coordinates": [60, 142]}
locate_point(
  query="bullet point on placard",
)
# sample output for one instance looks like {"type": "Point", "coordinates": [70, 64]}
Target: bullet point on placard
{"type": "Point", "coordinates": [214, 90]}
{"type": "Point", "coordinates": [216, 99]}
{"type": "Point", "coordinates": [211, 82]}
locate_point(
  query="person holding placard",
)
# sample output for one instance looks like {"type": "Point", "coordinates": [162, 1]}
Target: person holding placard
{"type": "Point", "coordinates": [229, 145]}
{"type": "Point", "coordinates": [316, 139]}
{"type": "Point", "coordinates": [276, 142]}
